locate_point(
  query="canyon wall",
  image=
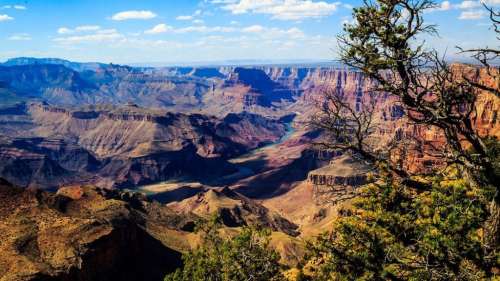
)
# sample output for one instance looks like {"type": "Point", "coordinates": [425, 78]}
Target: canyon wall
{"type": "Point", "coordinates": [133, 121]}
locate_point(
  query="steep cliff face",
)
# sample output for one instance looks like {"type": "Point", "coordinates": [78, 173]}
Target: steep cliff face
{"type": "Point", "coordinates": [255, 89]}
{"type": "Point", "coordinates": [246, 89]}
{"type": "Point", "coordinates": [82, 233]}
{"type": "Point", "coordinates": [231, 93]}
{"type": "Point", "coordinates": [306, 78]}
{"type": "Point", "coordinates": [138, 132]}
{"type": "Point", "coordinates": [126, 146]}
{"type": "Point", "coordinates": [486, 118]}
{"type": "Point", "coordinates": [39, 162]}
{"type": "Point", "coordinates": [30, 169]}
{"type": "Point", "coordinates": [251, 129]}
{"type": "Point", "coordinates": [339, 179]}
{"type": "Point", "coordinates": [126, 172]}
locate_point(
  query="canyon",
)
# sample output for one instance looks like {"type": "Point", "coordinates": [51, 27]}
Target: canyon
{"type": "Point", "coordinates": [122, 161]}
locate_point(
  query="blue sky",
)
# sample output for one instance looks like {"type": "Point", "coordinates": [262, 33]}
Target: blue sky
{"type": "Point", "coordinates": [167, 31]}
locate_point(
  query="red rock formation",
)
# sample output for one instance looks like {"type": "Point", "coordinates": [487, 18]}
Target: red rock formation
{"type": "Point", "coordinates": [92, 235]}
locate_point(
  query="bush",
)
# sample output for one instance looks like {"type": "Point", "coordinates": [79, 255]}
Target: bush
{"type": "Point", "coordinates": [394, 232]}
{"type": "Point", "coordinates": [244, 257]}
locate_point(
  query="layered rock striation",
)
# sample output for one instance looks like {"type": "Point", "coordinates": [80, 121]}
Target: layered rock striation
{"type": "Point", "coordinates": [83, 233]}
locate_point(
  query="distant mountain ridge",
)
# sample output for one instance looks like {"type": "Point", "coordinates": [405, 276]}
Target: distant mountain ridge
{"type": "Point", "coordinates": [214, 90]}
{"type": "Point", "coordinates": [77, 66]}
{"type": "Point", "coordinates": [93, 66]}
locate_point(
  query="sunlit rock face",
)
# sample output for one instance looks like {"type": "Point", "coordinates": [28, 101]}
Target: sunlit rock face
{"type": "Point", "coordinates": [85, 233]}
{"type": "Point", "coordinates": [130, 122]}
{"type": "Point", "coordinates": [228, 140]}
{"type": "Point", "coordinates": [126, 146]}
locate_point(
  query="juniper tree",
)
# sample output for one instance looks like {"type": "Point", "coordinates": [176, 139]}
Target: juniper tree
{"type": "Point", "coordinates": [246, 256]}
{"type": "Point", "coordinates": [441, 227]}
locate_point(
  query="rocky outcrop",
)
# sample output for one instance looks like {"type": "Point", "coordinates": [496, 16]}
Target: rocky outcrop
{"type": "Point", "coordinates": [234, 210]}
{"type": "Point", "coordinates": [247, 88]}
{"type": "Point", "coordinates": [83, 233]}
{"type": "Point", "coordinates": [44, 163]}
{"type": "Point", "coordinates": [250, 129]}
{"type": "Point", "coordinates": [486, 119]}
{"type": "Point", "coordinates": [338, 180]}
{"type": "Point", "coordinates": [289, 163]}
{"type": "Point", "coordinates": [163, 166]}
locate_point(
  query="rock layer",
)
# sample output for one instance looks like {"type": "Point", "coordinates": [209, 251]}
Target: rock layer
{"type": "Point", "coordinates": [92, 235]}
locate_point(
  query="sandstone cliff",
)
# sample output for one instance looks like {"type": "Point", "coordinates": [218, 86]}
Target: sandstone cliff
{"type": "Point", "coordinates": [82, 233]}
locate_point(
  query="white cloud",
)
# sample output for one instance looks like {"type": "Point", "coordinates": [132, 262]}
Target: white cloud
{"type": "Point", "coordinates": [288, 44]}
{"type": "Point", "coordinates": [472, 15]}
{"type": "Point", "coordinates": [469, 4]}
{"type": "Point", "coordinates": [444, 6]}
{"type": "Point", "coordinates": [81, 28]}
{"type": "Point", "coordinates": [87, 28]}
{"type": "Point", "coordinates": [20, 37]}
{"type": "Point", "coordinates": [491, 2]}
{"type": "Point", "coordinates": [5, 17]}
{"type": "Point", "coordinates": [283, 9]}
{"type": "Point", "coordinates": [190, 17]}
{"type": "Point", "coordinates": [198, 21]}
{"type": "Point", "coordinates": [253, 29]}
{"type": "Point", "coordinates": [464, 5]}
{"type": "Point", "coordinates": [204, 29]}
{"type": "Point", "coordinates": [64, 30]}
{"type": "Point", "coordinates": [105, 35]}
{"type": "Point", "coordinates": [133, 15]}
{"type": "Point", "coordinates": [184, 18]}
{"type": "Point", "coordinates": [160, 28]}
{"type": "Point", "coordinates": [148, 44]}
{"type": "Point", "coordinates": [295, 33]}
{"type": "Point", "coordinates": [106, 31]}
{"type": "Point", "coordinates": [258, 30]}
{"type": "Point", "coordinates": [17, 7]}
{"type": "Point", "coordinates": [292, 33]}
{"type": "Point", "coordinates": [348, 20]}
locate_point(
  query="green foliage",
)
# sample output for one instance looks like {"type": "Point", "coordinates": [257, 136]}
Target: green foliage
{"type": "Point", "coordinates": [394, 232]}
{"type": "Point", "coordinates": [447, 228]}
{"type": "Point", "coordinates": [493, 151]}
{"type": "Point", "coordinates": [383, 34]}
{"type": "Point", "coordinates": [244, 257]}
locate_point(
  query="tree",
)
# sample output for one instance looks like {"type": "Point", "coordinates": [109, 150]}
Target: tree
{"type": "Point", "coordinates": [246, 256]}
{"type": "Point", "coordinates": [393, 232]}
{"type": "Point", "coordinates": [408, 227]}
{"type": "Point", "coordinates": [347, 128]}
{"type": "Point", "coordinates": [382, 44]}
{"type": "Point", "coordinates": [485, 56]}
